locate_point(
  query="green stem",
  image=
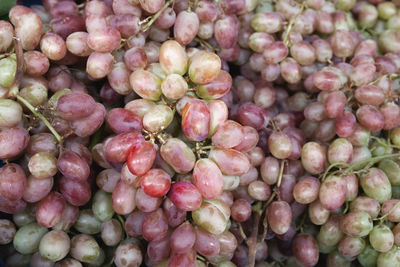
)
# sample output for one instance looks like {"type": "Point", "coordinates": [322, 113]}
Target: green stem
{"type": "Point", "coordinates": [155, 16]}
{"type": "Point", "coordinates": [40, 116]}
{"type": "Point", "coordinates": [291, 23]}
{"type": "Point", "coordinates": [389, 212]}
{"type": "Point", "coordinates": [242, 232]}
{"type": "Point", "coordinates": [370, 160]}
{"type": "Point", "coordinates": [332, 166]}
{"type": "Point", "coordinates": [278, 184]}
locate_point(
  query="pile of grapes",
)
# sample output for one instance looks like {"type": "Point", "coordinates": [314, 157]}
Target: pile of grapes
{"type": "Point", "coordinates": [199, 133]}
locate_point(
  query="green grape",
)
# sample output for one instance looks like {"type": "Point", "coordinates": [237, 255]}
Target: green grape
{"type": "Point", "coordinates": [368, 257]}
{"type": "Point", "coordinates": [102, 206]}
{"type": "Point", "coordinates": [390, 258]}
{"type": "Point", "coordinates": [8, 68]}
{"type": "Point", "coordinates": [87, 223]}
{"type": "Point", "coordinates": [27, 238]}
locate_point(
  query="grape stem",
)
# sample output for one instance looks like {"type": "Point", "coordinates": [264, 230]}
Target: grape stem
{"type": "Point", "coordinates": [155, 16]}
{"type": "Point", "coordinates": [383, 217]}
{"type": "Point", "coordinates": [350, 168]}
{"type": "Point", "coordinates": [291, 23]}
{"type": "Point", "coordinates": [252, 242]}
{"type": "Point", "coordinates": [40, 116]}
{"type": "Point", "coordinates": [278, 184]}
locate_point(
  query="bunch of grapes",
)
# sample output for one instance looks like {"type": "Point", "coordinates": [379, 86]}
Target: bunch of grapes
{"type": "Point", "coordinates": [200, 133]}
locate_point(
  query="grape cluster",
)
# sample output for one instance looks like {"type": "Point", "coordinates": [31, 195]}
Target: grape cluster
{"type": "Point", "coordinates": [200, 133]}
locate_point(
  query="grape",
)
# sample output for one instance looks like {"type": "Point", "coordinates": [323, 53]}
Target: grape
{"type": "Point", "coordinates": [174, 86]}
{"type": "Point", "coordinates": [306, 190]}
{"type": "Point", "coordinates": [313, 158]}
{"type": "Point", "coordinates": [155, 225]}
{"type": "Point", "coordinates": [7, 230]}
{"type": "Point", "coordinates": [77, 44]}
{"type": "Point", "coordinates": [240, 210]}
{"type": "Point", "coordinates": [183, 238]}
{"type": "Point", "coordinates": [128, 254]}
{"type": "Point", "coordinates": [134, 222]}
{"type": "Point", "coordinates": [87, 223]}
{"type": "Point", "coordinates": [141, 158]}
{"type": "Point", "coordinates": [28, 26]}
{"type": "Point", "coordinates": [53, 46]}
{"type": "Point", "coordinates": [279, 216]}
{"type": "Point", "coordinates": [99, 64]}
{"type": "Point", "coordinates": [102, 206]}
{"type": "Point", "coordinates": [332, 193]}
{"type": "Point", "coordinates": [212, 216]}
{"type": "Point", "coordinates": [269, 170]}
{"type": "Point", "coordinates": [158, 118]}
{"type": "Point", "coordinates": [173, 58]}
{"type": "Point", "coordinates": [12, 181]}
{"type": "Point", "coordinates": [27, 238]}
{"type": "Point", "coordinates": [305, 249]}
{"type": "Point", "coordinates": [174, 215]}
{"type": "Point", "coordinates": [156, 183]}
{"type": "Point", "coordinates": [84, 248]}
{"type": "Point", "coordinates": [11, 113]}
{"type": "Point", "coordinates": [6, 33]}
{"type": "Point", "coordinates": [126, 24]}
{"type": "Point", "coordinates": [259, 190]}
{"type": "Point", "coordinates": [13, 141]}
{"type": "Point", "coordinates": [356, 223]}
{"type": "Point", "coordinates": [350, 247]}
{"type": "Point", "coordinates": [318, 213]}
{"type": "Point", "coordinates": [334, 104]}
{"type": "Point", "coordinates": [42, 165]}
{"type": "Point", "coordinates": [196, 120]}
{"type": "Point", "coordinates": [145, 202]}
{"type": "Point", "coordinates": [381, 238]}
{"type": "Point", "coordinates": [178, 155]}
{"type": "Point", "coordinates": [186, 27]}
{"type": "Point", "coordinates": [315, 112]}
{"type": "Point", "coordinates": [37, 260]}
{"type": "Point", "coordinates": [230, 161]}
{"type": "Point", "coordinates": [159, 250]}
{"type": "Point", "coordinates": [89, 125]}
{"type": "Point", "coordinates": [204, 67]}
{"type": "Point", "coordinates": [72, 166]}
{"type": "Point", "coordinates": [206, 243]}
{"type": "Point", "coordinates": [54, 245]}
{"type": "Point", "coordinates": [25, 216]}
{"type": "Point", "coordinates": [119, 147]}
{"type": "Point", "coordinates": [118, 78]}
{"type": "Point", "coordinates": [387, 206]}
{"type": "Point", "coordinates": [390, 257]}
{"type": "Point", "coordinates": [280, 145]}
{"type": "Point", "coordinates": [376, 185]}
{"type": "Point", "coordinates": [145, 84]}
{"type": "Point", "coordinates": [37, 63]}
{"type": "Point", "coordinates": [207, 177]}
{"type": "Point", "coordinates": [330, 233]}
{"type": "Point", "coordinates": [123, 198]}
{"type": "Point", "coordinates": [345, 124]}
{"type": "Point", "coordinates": [217, 88]}
{"type": "Point", "coordinates": [340, 150]}
{"type": "Point", "coordinates": [50, 209]}
{"type": "Point", "coordinates": [275, 53]}
{"type": "Point", "coordinates": [185, 196]}
{"type": "Point", "coordinates": [36, 189]}
{"type": "Point", "coordinates": [108, 178]}
{"type": "Point", "coordinates": [182, 259]}
{"type": "Point", "coordinates": [68, 218]}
